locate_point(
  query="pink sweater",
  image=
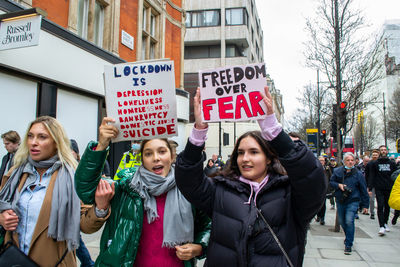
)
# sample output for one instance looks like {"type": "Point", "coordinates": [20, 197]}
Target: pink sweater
{"type": "Point", "coordinates": [150, 253]}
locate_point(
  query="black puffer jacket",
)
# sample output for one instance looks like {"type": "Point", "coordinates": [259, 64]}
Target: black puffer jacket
{"type": "Point", "coordinates": [238, 236]}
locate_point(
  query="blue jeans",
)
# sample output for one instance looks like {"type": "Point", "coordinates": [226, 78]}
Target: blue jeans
{"type": "Point", "coordinates": [83, 254]}
{"type": "Point", "coordinates": [347, 214]}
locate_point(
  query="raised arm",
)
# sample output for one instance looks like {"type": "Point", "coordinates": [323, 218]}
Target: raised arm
{"type": "Point", "coordinates": [88, 173]}
{"type": "Point", "coordinates": [305, 172]}
{"type": "Point", "coordinates": [189, 176]}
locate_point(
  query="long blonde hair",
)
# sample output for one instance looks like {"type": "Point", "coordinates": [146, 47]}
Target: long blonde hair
{"type": "Point", "coordinates": [59, 136]}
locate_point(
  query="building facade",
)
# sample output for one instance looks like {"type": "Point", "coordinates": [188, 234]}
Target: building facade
{"type": "Point", "coordinates": [63, 75]}
{"type": "Point", "coordinates": [389, 52]}
{"type": "Point", "coordinates": [223, 33]}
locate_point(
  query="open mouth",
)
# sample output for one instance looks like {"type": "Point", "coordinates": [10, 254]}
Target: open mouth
{"type": "Point", "coordinates": [158, 169]}
{"type": "Point", "coordinates": [246, 167]}
{"type": "Point", "coordinates": [34, 152]}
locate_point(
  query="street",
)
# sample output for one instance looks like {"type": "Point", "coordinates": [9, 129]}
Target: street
{"type": "Point", "coordinates": [325, 248]}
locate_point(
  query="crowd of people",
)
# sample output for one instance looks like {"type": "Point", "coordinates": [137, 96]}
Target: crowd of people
{"type": "Point", "coordinates": [164, 209]}
{"type": "Point", "coordinates": [357, 185]}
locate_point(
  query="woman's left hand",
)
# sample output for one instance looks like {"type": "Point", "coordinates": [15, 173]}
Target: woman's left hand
{"type": "Point", "coordinates": [188, 251]}
{"type": "Point", "coordinates": [267, 99]}
{"type": "Point", "coordinates": [104, 193]}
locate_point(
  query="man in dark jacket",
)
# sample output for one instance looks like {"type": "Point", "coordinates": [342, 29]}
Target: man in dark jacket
{"type": "Point", "coordinates": [350, 190]}
{"type": "Point", "coordinates": [379, 179]}
{"type": "Point", "coordinates": [11, 142]}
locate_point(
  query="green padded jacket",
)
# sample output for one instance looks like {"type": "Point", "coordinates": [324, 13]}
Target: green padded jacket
{"type": "Point", "coordinates": [120, 238]}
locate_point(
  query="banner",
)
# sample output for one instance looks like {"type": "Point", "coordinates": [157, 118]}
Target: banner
{"type": "Point", "coordinates": [233, 93]}
{"type": "Point", "coordinates": [141, 98]}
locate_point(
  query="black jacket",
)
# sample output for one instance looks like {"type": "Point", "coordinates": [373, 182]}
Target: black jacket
{"type": "Point", "coordinates": [379, 173]}
{"type": "Point", "coordinates": [238, 236]}
{"type": "Point", "coordinates": [4, 164]}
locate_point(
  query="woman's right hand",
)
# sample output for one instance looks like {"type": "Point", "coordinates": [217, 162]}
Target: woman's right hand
{"type": "Point", "coordinates": [199, 124]}
{"type": "Point", "coordinates": [106, 133]}
{"type": "Point", "coordinates": [9, 220]}
{"type": "Point", "coordinates": [103, 195]}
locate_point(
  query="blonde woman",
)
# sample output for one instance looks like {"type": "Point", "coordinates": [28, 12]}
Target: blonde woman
{"type": "Point", "coordinates": [39, 207]}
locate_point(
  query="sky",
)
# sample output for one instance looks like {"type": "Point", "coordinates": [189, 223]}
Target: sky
{"type": "Point", "coordinates": [283, 24]}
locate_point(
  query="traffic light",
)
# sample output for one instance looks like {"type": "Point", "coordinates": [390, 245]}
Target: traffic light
{"type": "Point", "coordinates": [342, 114]}
{"type": "Point", "coordinates": [323, 138]}
{"type": "Point", "coordinates": [323, 134]}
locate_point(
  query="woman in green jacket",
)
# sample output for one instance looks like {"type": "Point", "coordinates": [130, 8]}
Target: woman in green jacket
{"type": "Point", "coordinates": [149, 222]}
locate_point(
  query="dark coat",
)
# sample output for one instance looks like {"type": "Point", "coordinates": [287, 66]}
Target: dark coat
{"type": "Point", "coordinates": [4, 162]}
{"type": "Point", "coordinates": [355, 181]}
{"type": "Point", "coordinates": [238, 236]}
{"type": "Point", "coordinates": [379, 172]}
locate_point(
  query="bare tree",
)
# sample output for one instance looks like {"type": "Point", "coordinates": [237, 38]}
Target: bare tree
{"type": "Point", "coordinates": [393, 126]}
{"type": "Point", "coordinates": [366, 133]}
{"type": "Point", "coordinates": [306, 116]}
{"type": "Point", "coordinates": [336, 49]}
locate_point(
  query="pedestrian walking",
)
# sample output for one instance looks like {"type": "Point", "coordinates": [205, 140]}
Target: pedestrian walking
{"type": "Point", "coordinates": [368, 177]}
{"type": "Point", "coordinates": [380, 180]}
{"type": "Point", "coordinates": [327, 175]}
{"type": "Point", "coordinates": [82, 252]}
{"type": "Point", "coordinates": [11, 141]}
{"type": "Point", "coordinates": [149, 222]}
{"type": "Point", "coordinates": [39, 208]}
{"type": "Point", "coordinates": [351, 192]}
{"type": "Point", "coordinates": [259, 213]}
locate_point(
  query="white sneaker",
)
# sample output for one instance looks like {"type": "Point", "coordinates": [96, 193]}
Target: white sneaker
{"type": "Point", "coordinates": [381, 231]}
{"type": "Point", "coordinates": [387, 229]}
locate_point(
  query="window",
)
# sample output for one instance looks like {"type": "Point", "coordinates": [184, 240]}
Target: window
{"type": "Point", "coordinates": [207, 51]}
{"type": "Point", "coordinates": [91, 28]}
{"type": "Point", "coordinates": [235, 16]}
{"type": "Point", "coordinates": [188, 19]}
{"type": "Point", "coordinates": [98, 24]}
{"type": "Point", "coordinates": [204, 18]}
{"type": "Point", "coordinates": [233, 50]}
{"type": "Point", "coordinates": [150, 33]}
{"type": "Point", "coordinates": [83, 11]}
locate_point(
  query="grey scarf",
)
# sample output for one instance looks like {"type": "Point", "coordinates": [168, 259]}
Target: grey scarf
{"type": "Point", "coordinates": [64, 223]}
{"type": "Point", "coordinates": [178, 225]}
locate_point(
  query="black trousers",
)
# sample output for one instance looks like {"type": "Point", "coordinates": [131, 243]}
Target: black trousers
{"type": "Point", "coordinates": [321, 212]}
{"type": "Point", "coordinates": [383, 210]}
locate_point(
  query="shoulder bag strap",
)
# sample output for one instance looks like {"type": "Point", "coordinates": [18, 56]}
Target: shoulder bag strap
{"type": "Point", "coordinates": [62, 257]}
{"type": "Point", "coordinates": [276, 239]}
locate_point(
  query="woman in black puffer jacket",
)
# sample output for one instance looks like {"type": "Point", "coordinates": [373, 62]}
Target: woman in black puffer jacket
{"type": "Point", "coordinates": [254, 182]}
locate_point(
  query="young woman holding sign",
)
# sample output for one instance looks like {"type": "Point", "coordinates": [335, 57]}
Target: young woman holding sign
{"type": "Point", "coordinates": [259, 213]}
{"type": "Point", "coordinates": [151, 223]}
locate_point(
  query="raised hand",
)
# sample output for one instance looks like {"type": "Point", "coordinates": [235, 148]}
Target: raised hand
{"type": "Point", "coordinates": [103, 195]}
{"type": "Point", "coordinates": [188, 251]}
{"type": "Point", "coordinates": [199, 124]}
{"type": "Point", "coordinates": [106, 133]}
{"type": "Point", "coordinates": [9, 220]}
{"type": "Point", "coordinates": [267, 98]}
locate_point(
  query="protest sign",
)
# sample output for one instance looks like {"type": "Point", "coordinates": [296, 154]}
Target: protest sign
{"type": "Point", "coordinates": [141, 98]}
{"type": "Point", "coordinates": [233, 93]}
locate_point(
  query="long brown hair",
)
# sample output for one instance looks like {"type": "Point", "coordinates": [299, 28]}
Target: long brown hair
{"type": "Point", "coordinates": [274, 167]}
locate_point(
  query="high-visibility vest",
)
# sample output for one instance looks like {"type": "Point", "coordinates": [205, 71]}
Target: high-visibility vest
{"type": "Point", "coordinates": [129, 159]}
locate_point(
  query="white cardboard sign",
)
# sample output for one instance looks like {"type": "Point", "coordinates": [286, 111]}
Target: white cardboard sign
{"type": "Point", "coordinates": [141, 98]}
{"type": "Point", "coordinates": [233, 93]}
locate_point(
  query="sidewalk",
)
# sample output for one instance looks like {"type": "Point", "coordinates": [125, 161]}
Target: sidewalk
{"type": "Point", "coordinates": [325, 248]}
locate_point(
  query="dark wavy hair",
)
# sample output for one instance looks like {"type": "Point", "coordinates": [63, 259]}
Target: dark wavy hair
{"type": "Point", "coordinates": [275, 167]}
